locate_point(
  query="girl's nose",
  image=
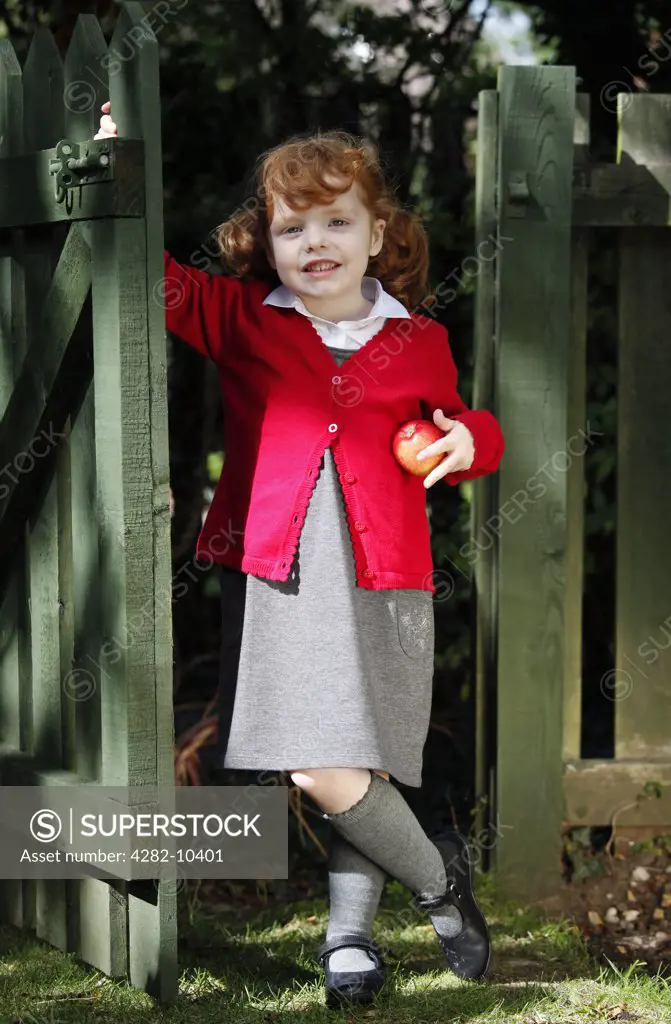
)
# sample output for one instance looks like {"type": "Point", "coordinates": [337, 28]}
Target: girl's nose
{"type": "Point", "coordinates": [314, 237]}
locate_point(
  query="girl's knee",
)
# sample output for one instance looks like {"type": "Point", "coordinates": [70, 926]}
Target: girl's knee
{"type": "Point", "coordinates": [333, 789]}
{"type": "Point", "coordinates": [316, 778]}
{"type": "Point", "coordinates": [305, 778]}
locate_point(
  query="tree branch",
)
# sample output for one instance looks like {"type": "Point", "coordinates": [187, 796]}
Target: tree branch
{"type": "Point", "coordinates": [259, 18]}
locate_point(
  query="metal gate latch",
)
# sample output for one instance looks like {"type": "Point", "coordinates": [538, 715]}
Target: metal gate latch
{"type": "Point", "coordinates": [80, 163]}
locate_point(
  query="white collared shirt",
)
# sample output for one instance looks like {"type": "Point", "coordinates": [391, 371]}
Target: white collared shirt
{"type": "Point", "coordinates": [348, 334]}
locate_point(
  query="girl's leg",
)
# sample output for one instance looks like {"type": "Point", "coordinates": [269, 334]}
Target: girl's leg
{"type": "Point", "coordinates": [371, 814]}
{"type": "Point", "coordinates": [356, 884]}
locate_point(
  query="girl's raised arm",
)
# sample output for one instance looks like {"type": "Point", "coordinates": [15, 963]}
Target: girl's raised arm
{"type": "Point", "coordinates": [199, 307]}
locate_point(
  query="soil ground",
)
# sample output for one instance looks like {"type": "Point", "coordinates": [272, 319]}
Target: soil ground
{"type": "Point", "coordinates": [622, 902]}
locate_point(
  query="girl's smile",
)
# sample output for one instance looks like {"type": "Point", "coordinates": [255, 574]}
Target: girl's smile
{"type": "Point", "coordinates": [320, 268]}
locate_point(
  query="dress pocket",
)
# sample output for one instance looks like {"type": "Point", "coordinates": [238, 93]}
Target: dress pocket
{"type": "Point", "coordinates": [414, 617]}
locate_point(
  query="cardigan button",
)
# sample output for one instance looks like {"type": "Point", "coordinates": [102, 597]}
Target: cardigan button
{"type": "Point", "coordinates": [333, 427]}
{"type": "Point", "coordinates": [369, 573]}
{"type": "Point", "coordinates": [360, 527]}
{"type": "Point", "coordinates": [349, 478]}
{"type": "Point", "coordinates": [336, 380]}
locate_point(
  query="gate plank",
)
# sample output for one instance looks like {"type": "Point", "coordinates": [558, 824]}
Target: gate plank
{"type": "Point", "coordinates": [99, 915]}
{"type": "Point", "coordinates": [125, 512]}
{"type": "Point", "coordinates": [135, 98]}
{"type": "Point", "coordinates": [643, 609]}
{"type": "Point", "coordinates": [42, 120]}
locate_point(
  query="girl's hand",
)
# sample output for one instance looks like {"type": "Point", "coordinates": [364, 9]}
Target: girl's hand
{"type": "Point", "coordinates": [458, 441]}
{"type": "Point", "coordinates": [108, 129]}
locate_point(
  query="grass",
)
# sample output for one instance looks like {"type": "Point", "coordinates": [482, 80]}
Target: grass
{"type": "Point", "coordinates": [263, 970]}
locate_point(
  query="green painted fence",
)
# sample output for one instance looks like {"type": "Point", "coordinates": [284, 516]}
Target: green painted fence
{"type": "Point", "coordinates": [542, 196]}
{"type": "Point", "coordinates": [85, 641]}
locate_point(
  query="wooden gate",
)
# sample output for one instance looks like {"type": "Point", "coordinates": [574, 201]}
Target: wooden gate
{"type": "Point", "coordinates": [85, 564]}
{"type": "Point", "coordinates": [542, 197]}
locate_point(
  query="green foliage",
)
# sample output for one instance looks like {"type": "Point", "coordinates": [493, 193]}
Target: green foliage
{"type": "Point", "coordinates": [651, 789]}
{"type": "Point", "coordinates": [215, 464]}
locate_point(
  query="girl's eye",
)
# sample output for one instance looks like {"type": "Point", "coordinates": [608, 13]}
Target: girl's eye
{"type": "Point", "coordinates": [296, 227]}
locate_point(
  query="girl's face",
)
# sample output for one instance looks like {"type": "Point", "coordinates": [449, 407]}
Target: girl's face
{"type": "Point", "coordinates": [322, 253]}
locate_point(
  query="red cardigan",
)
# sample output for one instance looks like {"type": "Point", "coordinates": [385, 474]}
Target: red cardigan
{"type": "Point", "coordinates": [286, 400]}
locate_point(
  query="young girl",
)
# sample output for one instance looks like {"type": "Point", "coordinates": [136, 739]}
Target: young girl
{"type": "Point", "coordinates": [321, 535]}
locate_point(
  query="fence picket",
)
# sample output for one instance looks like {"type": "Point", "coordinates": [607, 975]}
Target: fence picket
{"type": "Point", "coordinates": [18, 896]}
{"type": "Point", "coordinates": [43, 92]}
{"type": "Point", "coordinates": [85, 85]}
{"type": "Point", "coordinates": [575, 474]}
{"type": "Point", "coordinates": [643, 593]}
{"type": "Point", "coordinates": [483, 504]}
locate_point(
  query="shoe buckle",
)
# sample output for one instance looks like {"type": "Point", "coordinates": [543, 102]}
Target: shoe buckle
{"type": "Point", "coordinates": [454, 888]}
{"type": "Point", "coordinates": [430, 903]}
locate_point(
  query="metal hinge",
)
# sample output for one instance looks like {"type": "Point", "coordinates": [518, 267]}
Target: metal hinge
{"type": "Point", "coordinates": [518, 194]}
{"type": "Point", "coordinates": [80, 163]}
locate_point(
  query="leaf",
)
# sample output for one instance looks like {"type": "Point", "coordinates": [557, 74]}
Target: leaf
{"type": "Point", "coordinates": [618, 1011]}
{"type": "Point", "coordinates": [215, 464]}
{"type": "Point", "coordinates": [582, 836]}
{"type": "Point", "coordinates": [604, 465]}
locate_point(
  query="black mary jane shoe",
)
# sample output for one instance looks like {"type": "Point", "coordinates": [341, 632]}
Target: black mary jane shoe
{"type": "Point", "coordinates": [469, 953]}
{"type": "Point", "coordinates": [351, 986]}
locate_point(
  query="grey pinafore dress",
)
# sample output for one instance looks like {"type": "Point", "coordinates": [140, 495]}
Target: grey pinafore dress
{"type": "Point", "coordinates": [318, 672]}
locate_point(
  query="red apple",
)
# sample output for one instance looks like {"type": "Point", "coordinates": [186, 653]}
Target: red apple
{"type": "Point", "coordinates": [410, 439]}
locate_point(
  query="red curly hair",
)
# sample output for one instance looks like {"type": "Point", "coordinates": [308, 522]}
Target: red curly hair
{"type": "Point", "coordinates": [296, 171]}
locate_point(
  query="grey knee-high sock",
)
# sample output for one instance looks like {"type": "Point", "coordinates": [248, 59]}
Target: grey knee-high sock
{"type": "Point", "coordinates": [382, 826]}
{"type": "Point", "coordinates": [355, 888]}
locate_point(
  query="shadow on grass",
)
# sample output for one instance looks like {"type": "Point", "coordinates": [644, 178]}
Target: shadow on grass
{"type": "Point", "coordinates": [283, 964]}
{"type": "Point", "coordinates": [265, 969]}
{"type": "Point", "coordinates": [460, 1002]}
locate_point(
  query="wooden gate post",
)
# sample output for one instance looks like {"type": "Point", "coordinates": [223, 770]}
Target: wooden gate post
{"type": "Point", "coordinates": [533, 325]}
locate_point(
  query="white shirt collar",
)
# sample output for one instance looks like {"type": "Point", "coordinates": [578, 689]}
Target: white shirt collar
{"type": "Point", "coordinates": [384, 304]}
